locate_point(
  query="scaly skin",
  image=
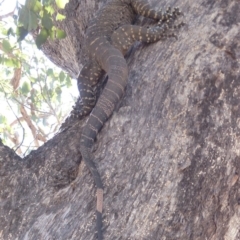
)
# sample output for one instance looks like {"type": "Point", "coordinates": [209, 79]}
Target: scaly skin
{"type": "Point", "coordinates": [109, 36]}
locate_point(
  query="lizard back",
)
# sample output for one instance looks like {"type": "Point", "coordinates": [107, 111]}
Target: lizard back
{"type": "Point", "coordinates": [109, 18]}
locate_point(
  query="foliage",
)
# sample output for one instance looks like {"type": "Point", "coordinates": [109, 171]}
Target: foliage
{"type": "Point", "coordinates": [35, 14]}
{"type": "Point", "coordinates": [31, 87]}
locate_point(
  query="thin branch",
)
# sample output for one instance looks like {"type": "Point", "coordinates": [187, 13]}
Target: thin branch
{"type": "Point", "coordinates": [7, 14]}
{"type": "Point", "coordinates": [35, 132]}
{"type": "Point", "coordinates": [16, 118]}
{"type": "Point", "coordinates": [16, 121]}
{"type": "Point", "coordinates": [36, 110]}
{"type": "Point", "coordinates": [28, 147]}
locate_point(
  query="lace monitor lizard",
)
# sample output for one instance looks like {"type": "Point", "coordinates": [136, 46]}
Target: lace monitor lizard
{"type": "Point", "coordinates": [108, 37]}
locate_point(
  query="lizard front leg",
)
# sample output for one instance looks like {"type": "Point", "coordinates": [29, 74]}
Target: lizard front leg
{"type": "Point", "coordinates": [125, 36]}
{"type": "Point", "coordinates": [143, 8]}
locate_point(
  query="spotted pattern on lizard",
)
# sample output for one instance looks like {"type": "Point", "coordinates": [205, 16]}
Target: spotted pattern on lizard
{"type": "Point", "coordinates": [108, 38]}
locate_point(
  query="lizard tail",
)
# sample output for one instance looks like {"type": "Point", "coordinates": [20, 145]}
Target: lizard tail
{"type": "Point", "coordinates": [88, 159]}
{"type": "Point", "coordinates": [113, 62]}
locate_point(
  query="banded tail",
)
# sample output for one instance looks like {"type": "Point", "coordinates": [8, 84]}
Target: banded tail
{"type": "Point", "coordinates": [113, 62]}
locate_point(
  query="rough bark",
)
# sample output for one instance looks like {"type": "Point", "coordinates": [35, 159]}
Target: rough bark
{"type": "Point", "coordinates": [169, 157]}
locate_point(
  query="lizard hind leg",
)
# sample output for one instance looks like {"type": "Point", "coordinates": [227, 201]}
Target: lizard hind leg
{"type": "Point", "coordinates": [86, 80]}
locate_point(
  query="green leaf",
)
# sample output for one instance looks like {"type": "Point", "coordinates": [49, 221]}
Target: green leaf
{"type": "Point", "coordinates": [61, 76]}
{"type": "Point", "coordinates": [33, 80]}
{"type": "Point", "coordinates": [61, 3]}
{"type": "Point", "coordinates": [68, 81]}
{"type": "Point", "coordinates": [25, 88]}
{"type": "Point", "coordinates": [50, 10]}
{"type": "Point", "coordinates": [33, 21]}
{"type": "Point", "coordinates": [6, 46]}
{"type": "Point", "coordinates": [28, 18]}
{"type": "Point", "coordinates": [60, 17]}
{"type": "Point", "coordinates": [47, 21]}
{"type": "Point", "coordinates": [11, 62]}
{"type": "Point", "coordinates": [58, 90]}
{"type": "Point", "coordinates": [52, 34]}
{"type": "Point", "coordinates": [3, 30]}
{"type": "Point", "coordinates": [50, 72]}
{"type": "Point", "coordinates": [47, 2]}
{"type": "Point", "coordinates": [60, 34]}
{"type": "Point", "coordinates": [21, 33]}
{"type": "Point", "coordinates": [41, 38]}
{"type": "Point", "coordinates": [2, 119]}
{"type": "Point", "coordinates": [36, 6]}
{"type": "Point", "coordinates": [23, 16]}
{"type": "Point", "coordinates": [10, 32]}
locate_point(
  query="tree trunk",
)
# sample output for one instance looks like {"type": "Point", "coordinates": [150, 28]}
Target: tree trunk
{"type": "Point", "coordinates": [169, 156]}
